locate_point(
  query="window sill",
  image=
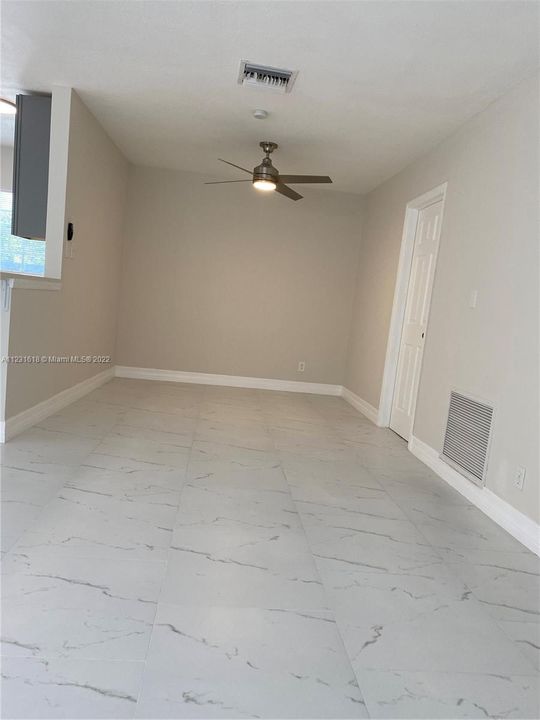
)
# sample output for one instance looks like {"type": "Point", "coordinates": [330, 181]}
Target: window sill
{"type": "Point", "coordinates": [30, 282]}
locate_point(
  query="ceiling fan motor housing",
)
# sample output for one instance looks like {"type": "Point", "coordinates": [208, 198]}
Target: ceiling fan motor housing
{"type": "Point", "coordinates": [265, 171]}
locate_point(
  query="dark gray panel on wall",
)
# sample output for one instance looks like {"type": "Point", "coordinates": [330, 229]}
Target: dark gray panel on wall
{"type": "Point", "coordinates": [31, 166]}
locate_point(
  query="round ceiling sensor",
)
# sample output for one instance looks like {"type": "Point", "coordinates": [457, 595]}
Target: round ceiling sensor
{"type": "Point", "coordinates": [260, 114]}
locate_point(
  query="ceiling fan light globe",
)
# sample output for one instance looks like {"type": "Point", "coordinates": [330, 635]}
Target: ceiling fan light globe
{"type": "Point", "coordinates": [7, 107]}
{"type": "Point", "coordinates": [265, 185]}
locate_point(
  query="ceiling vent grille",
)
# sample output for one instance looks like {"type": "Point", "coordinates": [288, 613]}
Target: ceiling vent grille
{"type": "Point", "coordinates": [468, 432]}
{"type": "Point", "coordinates": [268, 78]}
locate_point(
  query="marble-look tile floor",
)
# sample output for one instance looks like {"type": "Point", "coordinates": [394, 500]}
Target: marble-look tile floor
{"type": "Point", "coordinates": [180, 551]}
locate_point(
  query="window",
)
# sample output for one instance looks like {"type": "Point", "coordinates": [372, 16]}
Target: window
{"type": "Point", "coordinates": [18, 254]}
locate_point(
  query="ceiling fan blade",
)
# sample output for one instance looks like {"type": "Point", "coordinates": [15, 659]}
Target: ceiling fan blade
{"type": "Point", "coordinates": [236, 166]}
{"type": "Point", "coordinates": [222, 182]}
{"type": "Point", "coordinates": [305, 178]}
{"type": "Point", "coordinates": [287, 191]}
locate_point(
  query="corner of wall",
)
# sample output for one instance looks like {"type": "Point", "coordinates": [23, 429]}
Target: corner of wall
{"type": "Point", "coordinates": [349, 355]}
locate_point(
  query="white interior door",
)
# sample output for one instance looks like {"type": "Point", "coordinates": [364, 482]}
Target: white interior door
{"type": "Point", "coordinates": [426, 244]}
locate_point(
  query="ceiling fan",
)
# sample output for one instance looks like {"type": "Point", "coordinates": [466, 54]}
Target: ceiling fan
{"type": "Point", "coordinates": [267, 177]}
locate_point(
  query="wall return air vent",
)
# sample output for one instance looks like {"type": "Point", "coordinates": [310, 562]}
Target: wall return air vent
{"type": "Point", "coordinates": [265, 77]}
{"type": "Point", "coordinates": [468, 432]}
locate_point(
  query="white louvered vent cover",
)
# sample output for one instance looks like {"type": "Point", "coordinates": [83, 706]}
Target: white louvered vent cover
{"type": "Point", "coordinates": [266, 77]}
{"type": "Point", "coordinates": [468, 431]}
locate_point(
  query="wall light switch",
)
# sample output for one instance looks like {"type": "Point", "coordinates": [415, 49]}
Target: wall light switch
{"type": "Point", "coordinates": [473, 297]}
{"type": "Point", "coordinates": [69, 250]}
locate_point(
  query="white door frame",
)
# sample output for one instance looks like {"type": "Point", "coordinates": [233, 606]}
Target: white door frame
{"type": "Point", "coordinates": [400, 296]}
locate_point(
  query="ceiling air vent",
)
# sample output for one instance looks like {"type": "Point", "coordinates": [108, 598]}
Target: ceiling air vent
{"type": "Point", "coordinates": [466, 441]}
{"type": "Point", "coordinates": [268, 78]}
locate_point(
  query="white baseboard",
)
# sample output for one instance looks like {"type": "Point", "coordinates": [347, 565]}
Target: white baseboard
{"type": "Point", "coordinates": [520, 526]}
{"type": "Point", "coordinates": [226, 380]}
{"type": "Point", "coordinates": [371, 412]}
{"type": "Point", "coordinates": [16, 424]}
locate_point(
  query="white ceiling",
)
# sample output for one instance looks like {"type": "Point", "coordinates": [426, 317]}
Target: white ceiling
{"type": "Point", "coordinates": [379, 82]}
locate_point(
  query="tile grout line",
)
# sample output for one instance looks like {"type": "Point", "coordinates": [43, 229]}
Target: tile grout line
{"type": "Point", "coordinates": [167, 561]}
{"type": "Point", "coordinates": [76, 468]}
{"type": "Point", "coordinates": [329, 605]}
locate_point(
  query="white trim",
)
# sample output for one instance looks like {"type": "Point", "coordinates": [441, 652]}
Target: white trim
{"type": "Point", "coordinates": [372, 413]}
{"type": "Point", "coordinates": [226, 380]}
{"type": "Point", "coordinates": [16, 424]}
{"type": "Point", "coordinates": [520, 526]}
{"type": "Point", "coordinates": [7, 285]}
{"type": "Point", "coordinates": [400, 296]}
{"type": "Point", "coordinates": [4, 350]}
{"type": "Point", "coordinates": [57, 182]}
{"type": "Point", "coordinates": [27, 284]}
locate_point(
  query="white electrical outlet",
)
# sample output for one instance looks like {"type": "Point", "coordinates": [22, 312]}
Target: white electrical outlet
{"type": "Point", "coordinates": [519, 478]}
{"type": "Point", "coordinates": [301, 366]}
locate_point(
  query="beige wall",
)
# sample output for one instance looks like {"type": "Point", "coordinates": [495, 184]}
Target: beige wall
{"type": "Point", "coordinates": [81, 318]}
{"type": "Point", "coordinates": [489, 243]}
{"type": "Point", "coordinates": [220, 279]}
{"type": "Point", "coordinates": [6, 168]}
